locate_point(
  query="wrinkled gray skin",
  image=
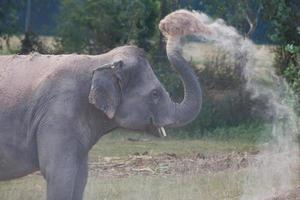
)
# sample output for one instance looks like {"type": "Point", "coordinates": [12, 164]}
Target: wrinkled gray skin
{"type": "Point", "coordinates": [55, 108]}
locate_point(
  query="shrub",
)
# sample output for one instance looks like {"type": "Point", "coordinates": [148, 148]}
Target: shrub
{"type": "Point", "coordinates": [254, 132]}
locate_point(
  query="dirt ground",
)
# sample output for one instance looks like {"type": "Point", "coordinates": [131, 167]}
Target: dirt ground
{"type": "Point", "coordinates": [168, 164]}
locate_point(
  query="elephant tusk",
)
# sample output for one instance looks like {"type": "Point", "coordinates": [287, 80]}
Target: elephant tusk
{"type": "Point", "coordinates": [162, 131]}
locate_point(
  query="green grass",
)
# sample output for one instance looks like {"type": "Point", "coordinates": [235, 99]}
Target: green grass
{"type": "Point", "coordinates": [249, 133]}
{"type": "Point", "coordinates": [117, 144]}
{"type": "Point", "coordinates": [29, 187]}
{"type": "Point", "coordinates": [224, 185]}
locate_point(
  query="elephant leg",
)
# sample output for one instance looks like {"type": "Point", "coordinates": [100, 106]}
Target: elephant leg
{"type": "Point", "coordinates": [81, 180]}
{"type": "Point", "coordinates": [60, 185]}
{"type": "Point", "coordinates": [62, 160]}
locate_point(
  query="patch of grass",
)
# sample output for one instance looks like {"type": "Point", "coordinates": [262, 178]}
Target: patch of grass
{"type": "Point", "coordinates": [117, 144]}
{"type": "Point", "coordinates": [252, 133]}
{"type": "Point", "coordinates": [255, 132]}
{"type": "Point", "coordinates": [26, 188]}
{"type": "Point", "coordinates": [224, 185]}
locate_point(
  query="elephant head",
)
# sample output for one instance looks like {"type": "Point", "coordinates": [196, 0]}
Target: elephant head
{"type": "Point", "coordinates": [128, 92]}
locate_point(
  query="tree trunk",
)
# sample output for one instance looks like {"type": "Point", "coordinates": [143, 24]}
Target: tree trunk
{"type": "Point", "coordinates": [27, 43]}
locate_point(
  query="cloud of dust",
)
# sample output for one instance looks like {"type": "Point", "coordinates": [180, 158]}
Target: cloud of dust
{"type": "Point", "coordinates": [276, 167]}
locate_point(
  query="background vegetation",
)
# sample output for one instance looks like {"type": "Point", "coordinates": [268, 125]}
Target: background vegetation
{"type": "Point", "coordinates": [96, 26]}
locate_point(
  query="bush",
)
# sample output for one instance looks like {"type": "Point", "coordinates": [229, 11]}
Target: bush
{"type": "Point", "coordinates": [225, 101]}
{"type": "Point", "coordinates": [288, 57]}
{"type": "Point", "coordinates": [254, 132]}
{"type": "Point", "coordinates": [221, 72]}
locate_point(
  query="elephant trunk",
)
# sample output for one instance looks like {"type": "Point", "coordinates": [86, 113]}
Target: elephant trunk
{"type": "Point", "coordinates": [189, 108]}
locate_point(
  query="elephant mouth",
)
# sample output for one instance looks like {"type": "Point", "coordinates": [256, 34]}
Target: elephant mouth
{"type": "Point", "coordinates": [159, 132]}
{"type": "Point", "coordinates": [156, 130]}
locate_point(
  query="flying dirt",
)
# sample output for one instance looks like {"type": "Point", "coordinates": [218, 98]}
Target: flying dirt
{"type": "Point", "coordinates": [278, 160]}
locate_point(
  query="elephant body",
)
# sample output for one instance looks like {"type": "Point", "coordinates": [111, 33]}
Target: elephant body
{"type": "Point", "coordinates": [44, 113]}
{"type": "Point", "coordinates": [54, 108]}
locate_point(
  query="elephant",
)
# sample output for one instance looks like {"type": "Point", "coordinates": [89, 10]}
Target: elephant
{"type": "Point", "coordinates": [54, 108]}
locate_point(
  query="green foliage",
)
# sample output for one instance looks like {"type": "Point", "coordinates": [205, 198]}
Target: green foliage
{"type": "Point", "coordinates": [222, 109]}
{"type": "Point", "coordinates": [292, 71]}
{"type": "Point", "coordinates": [292, 49]}
{"type": "Point", "coordinates": [95, 26]}
{"type": "Point", "coordinates": [243, 15]}
{"type": "Point", "coordinates": [250, 132]}
{"type": "Point", "coordinates": [169, 79]}
{"type": "Point", "coordinates": [8, 20]}
{"type": "Point", "coordinates": [286, 57]}
{"type": "Point", "coordinates": [221, 73]}
{"type": "Point", "coordinates": [8, 17]}
{"type": "Point", "coordinates": [285, 20]}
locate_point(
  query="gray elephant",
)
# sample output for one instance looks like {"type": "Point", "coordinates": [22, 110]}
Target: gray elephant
{"type": "Point", "coordinates": [53, 109]}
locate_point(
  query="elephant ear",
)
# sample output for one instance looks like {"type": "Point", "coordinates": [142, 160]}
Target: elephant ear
{"type": "Point", "coordinates": [105, 92]}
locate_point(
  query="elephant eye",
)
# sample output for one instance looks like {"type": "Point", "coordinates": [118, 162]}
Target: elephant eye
{"type": "Point", "coordinates": [155, 94]}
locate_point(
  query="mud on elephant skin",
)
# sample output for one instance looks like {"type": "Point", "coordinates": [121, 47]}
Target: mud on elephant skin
{"type": "Point", "coordinates": [55, 108]}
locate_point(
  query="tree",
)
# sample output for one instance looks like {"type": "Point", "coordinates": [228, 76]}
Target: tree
{"type": "Point", "coordinates": [243, 14]}
{"type": "Point", "coordinates": [8, 19]}
{"type": "Point", "coordinates": [285, 20]}
{"type": "Point", "coordinates": [31, 41]}
{"type": "Point", "coordinates": [284, 31]}
{"type": "Point", "coordinates": [11, 15]}
{"type": "Point", "coordinates": [96, 26]}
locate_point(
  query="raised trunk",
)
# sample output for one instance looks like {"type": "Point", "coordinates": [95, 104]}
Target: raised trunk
{"type": "Point", "coordinates": [189, 108]}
